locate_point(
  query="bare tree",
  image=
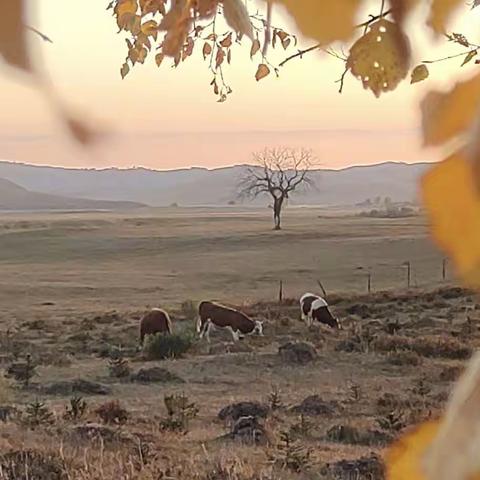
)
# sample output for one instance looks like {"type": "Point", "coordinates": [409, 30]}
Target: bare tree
{"type": "Point", "coordinates": [277, 172]}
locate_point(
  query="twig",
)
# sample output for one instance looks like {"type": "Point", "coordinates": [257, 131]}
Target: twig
{"type": "Point", "coordinates": [463, 54]}
{"type": "Point", "coordinates": [40, 34]}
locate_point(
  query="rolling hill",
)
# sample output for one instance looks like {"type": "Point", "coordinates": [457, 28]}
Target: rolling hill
{"type": "Point", "coordinates": [200, 186]}
{"type": "Point", "coordinates": [14, 197]}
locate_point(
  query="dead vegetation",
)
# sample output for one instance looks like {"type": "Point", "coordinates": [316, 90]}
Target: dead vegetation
{"type": "Point", "coordinates": [298, 403]}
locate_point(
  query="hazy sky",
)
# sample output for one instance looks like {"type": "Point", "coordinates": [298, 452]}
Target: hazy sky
{"type": "Point", "coordinates": [165, 118]}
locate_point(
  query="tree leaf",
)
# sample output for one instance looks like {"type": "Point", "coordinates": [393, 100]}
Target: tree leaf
{"type": "Point", "coordinates": [13, 44]}
{"type": "Point", "coordinates": [219, 57]}
{"type": "Point", "coordinates": [262, 72]}
{"type": "Point", "coordinates": [236, 16]}
{"type": "Point", "coordinates": [403, 460]}
{"type": "Point", "coordinates": [124, 70]}
{"type": "Point", "coordinates": [150, 28]}
{"type": "Point", "coordinates": [142, 55]}
{"type": "Point", "coordinates": [455, 214]}
{"type": "Point", "coordinates": [159, 58]}
{"type": "Point", "coordinates": [419, 73]}
{"type": "Point", "coordinates": [325, 20]}
{"type": "Point", "coordinates": [469, 57]}
{"type": "Point", "coordinates": [445, 115]}
{"type": "Point", "coordinates": [207, 50]}
{"type": "Point", "coordinates": [124, 11]}
{"type": "Point", "coordinates": [441, 12]}
{"type": "Point", "coordinates": [377, 58]}
{"type": "Point", "coordinates": [227, 41]}
{"type": "Point", "coordinates": [255, 47]}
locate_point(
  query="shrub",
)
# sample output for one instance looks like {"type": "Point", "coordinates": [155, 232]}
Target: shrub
{"type": "Point", "coordinates": [189, 309]}
{"type": "Point", "coordinates": [37, 414]}
{"type": "Point", "coordinates": [119, 367]}
{"type": "Point", "coordinates": [112, 412]}
{"type": "Point", "coordinates": [292, 455]}
{"type": "Point", "coordinates": [180, 411]}
{"type": "Point", "coordinates": [160, 346]}
{"type": "Point", "coordinates": [76, 409]}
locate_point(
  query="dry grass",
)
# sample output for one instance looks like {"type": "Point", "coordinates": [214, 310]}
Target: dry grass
{"type": "Point", "coordinates": [72, 294]}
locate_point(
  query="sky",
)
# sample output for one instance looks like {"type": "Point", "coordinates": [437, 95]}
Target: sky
{"type": "Point", "coordinates": [166, 118]}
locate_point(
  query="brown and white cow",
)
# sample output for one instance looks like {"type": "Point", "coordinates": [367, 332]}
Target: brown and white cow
{"type": "Point", "coordinates": [315, 308]}
{"type": "Point", "coordinates": [155, 321]}
{"type": "Point", "coordinates": [213, 315]}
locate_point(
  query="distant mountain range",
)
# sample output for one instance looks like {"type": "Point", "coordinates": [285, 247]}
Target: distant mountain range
{"type": "Point", "coordinates": [14, 197]}
{"type": "Point", "coordinates": [198, 186]}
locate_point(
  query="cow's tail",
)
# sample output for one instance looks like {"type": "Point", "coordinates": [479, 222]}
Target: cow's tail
{"type": "Point", "coordinates": [198, 323]}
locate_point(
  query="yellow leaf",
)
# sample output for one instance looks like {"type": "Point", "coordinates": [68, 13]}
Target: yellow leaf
{"type": "Point", "coordinates": [453, 205]}
{"type": "Point", "coordinates": [378, 59]}
{"type": "Point", "coordinates": [262, 71]}
{"type": "Point", "coordinates": [159, 58]}
{"type": "Point", "coordinates": [152, 6]}
{"type": "Point", "coordinates": [177, 22]}
{"type": "Point", "coordinates": [13, 45]}
{"type": "Point", "coordinates": [236, 16]}
{"type": "Point", "coordinates": [207, 50]}
{"type": "Point", "coordinates": [150, 28]}
{"type": "Point", "coordinates": [403, 460]}
{"type": "Point", "coordinates": [419, 73]}
{"type": "Point", "coordinates": [445, 115]}
{"type": "Point", "coordinates": [124, 10]}
{"type": "Point", "coordinates": [324, 20]}
{"type": "Point", "coordinates": [440, 13]}
{"type": "Point", "coordinates": [142, 55]}
{"type": "Point", "coordinates": [125, 69]}
{"type": "Point", "coordinates": [469, 57]}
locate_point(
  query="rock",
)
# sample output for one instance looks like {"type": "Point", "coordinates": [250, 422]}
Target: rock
{"type": "Point", "coordinates": [365, 468]}
{"type": "Point", "coordinates": [299, 353]}
{"type": "Point", "coordinates": [229, 347]}
{"type": "Point", "coordinates": [155, 374]}
{"type": "Point", "coordinates": [236, 411]}
{"type": "Point", "coordinates": [79, 385]}
{"type": "Point", "coordinates": [31, 465]}
{"type": "Point", "coordinates": [314, 405]}
{"type": "Point", "coordinates": [249, 431]}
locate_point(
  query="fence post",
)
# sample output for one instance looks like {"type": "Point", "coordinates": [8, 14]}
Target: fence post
{"type": "Point", "coordinates": [409, 273]}
{"type": "Point", "coordinates": [280, 292]}
{"type": "Point", "coordinates": [444, 269]}
{"type": "Point", "coordinates": [369, 282]}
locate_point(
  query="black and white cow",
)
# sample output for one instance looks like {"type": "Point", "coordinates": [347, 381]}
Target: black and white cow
{"type": "Point", "coordinates": [315, 308]}
{"type": "Point", "coordinates": [213, 315]}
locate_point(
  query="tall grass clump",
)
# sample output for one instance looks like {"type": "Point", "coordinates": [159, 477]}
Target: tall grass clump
{"type": "Point", "coordinates": [161, 346]}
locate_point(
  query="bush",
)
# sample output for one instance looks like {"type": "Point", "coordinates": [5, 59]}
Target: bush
{"type": "Point", "coordinates": [161, 346]}
{"type": "Point", "coordinates": [112, 412]}
{"type": "Point", "coordinates": [119, 367]}
{"type": "Point", "coordinates": [76, 409]}
{"type": "Point", "coordinates": [189, 309]}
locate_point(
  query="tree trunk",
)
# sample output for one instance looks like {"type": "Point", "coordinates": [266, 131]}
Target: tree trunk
{"type": "Point", "coordinates": [277, 210]}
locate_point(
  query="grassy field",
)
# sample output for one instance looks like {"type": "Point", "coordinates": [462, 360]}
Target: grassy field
{"type": "Point", "coordinates": [74, 286]}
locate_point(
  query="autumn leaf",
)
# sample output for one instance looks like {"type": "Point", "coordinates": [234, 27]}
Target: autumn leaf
{"type": "Point", "coordinates": [377, 59]}
{"type": "Point", "coordinates": [124, 70]}
{"type": "Point", "coordinates": [325, 21]}
{"type": "Point", "coordinates": [219, 57]}
{"type": "Point", "coordinates": [159, 58]}
{"type": "Point", "coordinates": [236, 16]}
{"type": "Point", "coordinates": [404, 458]}
{"type": "Point", "coordinates": [13, 44]}
{"type": "Point", "coordinates": [150, 28]}
{"type": "Point", "coordinates": [227, 41]}
{"type": "Point", "coordinates": [262, 72]}
{"type": "Point", "coordinates": [445, 115]}
{"type": "Point", "coordinates": [79, 130]}
{"type": "Point", "coordinates": [207, 50]}
{"type": "Point", "coordinates": [142, 55]}
{"type": "Point", "coordinates": [255, 47]}
{"type": "Point", "coordinates": [469, 57]}
{"type": "Point", "coordinates": [125, 10]}
{"type": "Point", "coordinates": [441, 12]}
{"type": "Point", "coordinates": [419, 73]}
{"type": "Point", "coordinates": [453, 205]}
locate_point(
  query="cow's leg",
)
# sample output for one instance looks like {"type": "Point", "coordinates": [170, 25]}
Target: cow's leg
{"type": "Point", "coordinates": [235, 334]}
{"type": "Point", "coordinates": [199, 324]}
{"type": "Point", "coordinates": [310, 319]}
{"type": "Point", "coordinates": [204, 328]}
{"type": "Point", "coordinates": [208, 329]}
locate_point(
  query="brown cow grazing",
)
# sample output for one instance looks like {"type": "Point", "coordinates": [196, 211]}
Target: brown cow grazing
{"type": "Point", "coordinates": [213, 315]}
{"type": "Point", "coordinates": [155, 321]}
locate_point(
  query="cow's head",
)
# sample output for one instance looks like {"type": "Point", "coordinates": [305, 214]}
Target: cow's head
{"type": "Point", "coordinates": [333, 322]}
{"type": "Point", "coordinates": [258, 329]}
